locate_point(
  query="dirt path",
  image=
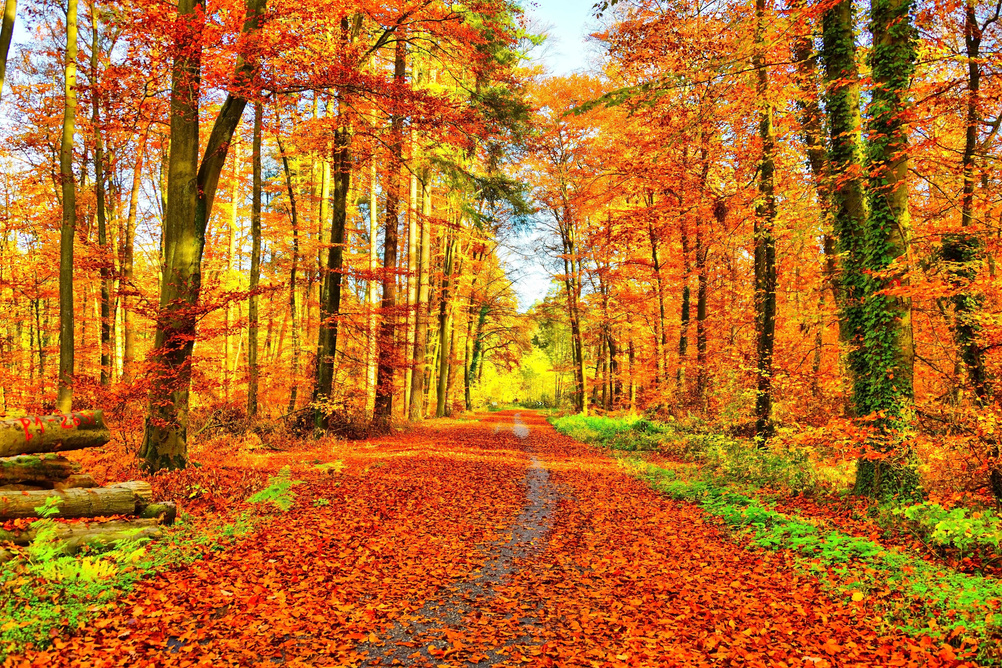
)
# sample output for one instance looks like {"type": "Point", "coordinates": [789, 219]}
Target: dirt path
{"type": "Point", "coordinates": [497, 542]}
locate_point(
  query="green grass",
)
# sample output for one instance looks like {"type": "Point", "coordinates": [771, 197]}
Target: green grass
{"type": "Point", "coordinates": [921, 598]}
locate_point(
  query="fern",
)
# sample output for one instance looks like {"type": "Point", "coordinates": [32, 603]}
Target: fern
{"type": "Point", "coordinates": [279, 491]}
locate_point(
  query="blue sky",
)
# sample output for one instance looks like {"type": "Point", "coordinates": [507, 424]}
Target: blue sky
{"type": "Point", "coordinates": [568, 22]}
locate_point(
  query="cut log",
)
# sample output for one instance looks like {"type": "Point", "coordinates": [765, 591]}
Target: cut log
{"type": "Point", "coordinates": [122, 499]}
{"type": "Point", "coordinates": [76, 535]}
{"type": "Point", "coordinates": [52, 433]}
{"type": "Point", "coordinates": [26, 469]}
{"type": "Point", "coordinates": [76, 481]}
{"type": "Point", "coordinates": [165, 512]}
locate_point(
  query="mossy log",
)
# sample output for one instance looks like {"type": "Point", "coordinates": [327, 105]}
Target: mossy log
{"type": "Point", "coordinates": [76, 535]}
{"type": "Point", "coordinates": [53, 433]}
{"type": "Point", "coordinates": [41, 468]}
{"type": "Point", "coordinates": [124, 498]}
{"type": "Point", "coordinates": [75, 481]}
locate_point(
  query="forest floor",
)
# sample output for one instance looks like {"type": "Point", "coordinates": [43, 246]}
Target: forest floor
{"type": "Point", "coordinates": [473, 543]}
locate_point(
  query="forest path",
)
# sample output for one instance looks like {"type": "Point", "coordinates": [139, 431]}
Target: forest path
{"type": "Point", "coordinates": [489, 542]}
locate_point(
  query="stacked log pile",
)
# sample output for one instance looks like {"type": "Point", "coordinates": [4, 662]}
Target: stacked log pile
{"type": "Point", "coordinates": [33, 470]}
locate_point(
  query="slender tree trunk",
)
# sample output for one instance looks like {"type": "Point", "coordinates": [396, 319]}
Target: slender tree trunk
{"type": "Point", "coordinates": [386, 367]}
{"type": "Point", "coordinates": [294, 219]}
{"type": "Point", "coordinates": [413, 254]}
{"type": "Point", "coordinates": [128, 241]}
{"type": "Point", "coordinates": [330, 304]}
{"type": "Point", "coordinates": [445, 326]}
{"type": "Point", "coordinates": [253, 319]}
{"type": "Point", "coordinates": [765, 242]}
{"type": "Point", "coordinates": [6, 34]}
{"type": "Point", "coordinates": [883, 363]}
{"type": "Point", "coordinates": [662, 334]}
{"type": "Point", "coordinates": [686, 310]}
{"type": "Point", "coordinates": [191, 191]}
{"type": "Point", "coordinates": [371, 295]}
{"type": "Point", "coordinates": [702, 293]}
{"type": "Point", "coordinates": [64, 402]}
{"type": "Point", "coordinates": [418, 379]}
{"type": "Point", "coordinates": [229, 355]}
{"type": "Point", "coordinates": [102, 218]}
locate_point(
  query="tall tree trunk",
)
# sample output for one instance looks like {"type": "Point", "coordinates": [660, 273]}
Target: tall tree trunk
{"type": "Point", "coordinates": [702, 290]}
{"type": "Point", "coordinates": [445, 326]}
{"type": "Point", "coordinates": [6, 34]}
{"type": "Point", "coordinates": [413, 253]}
{"type": "Point", "coordinates": [64, 402]}
{"type": "Point", "coordinates": [883, 363]}
{"type": "Point", "coordinates": [418, 379]}
{"type": "Point", "coordinates": [253, 319]}
{"type": "Point", "coordinates": [128, 241]}
{"type": "Point", "coordinates": [330, 303]}
{"type": "Point", "coordinates": [191, 191]}
{"type": "Point", "coordinates": [371, 295]}
{"type": "Point", "coordinates": [99, 192]}
{"type": "Point", "coordinates": [229, 355]}
{"type": "Point", "coordinates": [686, 309]}
{"type": "Point", "coordinates": [294, 219]}
{"type": "Point", "coordinates": [765, 242]}
{"type": "Point", "coordinates": [386, 366]}
{"type": "Point", "coordinates": [844, 178]}
{"type": "Point", "coordinates": [661, 343]}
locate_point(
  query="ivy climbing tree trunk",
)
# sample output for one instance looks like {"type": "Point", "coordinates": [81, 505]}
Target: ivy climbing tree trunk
{"type": "Point", "coordinates": [765, 242]}
{"type": "Point", "coordinates": [844, 178]}
{"type": "Point", "coordinates": [883, 362]}
{"type": "Point", "coordinates": [67, 231]}
{"type": "Point", "coordinates": [191, 188]}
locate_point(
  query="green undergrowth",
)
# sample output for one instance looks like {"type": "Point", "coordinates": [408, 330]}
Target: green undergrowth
{"type": "Point", "coordinates": [921, 598]}
{"type": "Point", "coordinates": [45, 593]}
{"type": "Point", "coordinates": [731, 479]}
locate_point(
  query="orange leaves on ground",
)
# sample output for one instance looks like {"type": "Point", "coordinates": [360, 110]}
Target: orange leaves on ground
{"type": "Point", "coordinates": [381, 574]}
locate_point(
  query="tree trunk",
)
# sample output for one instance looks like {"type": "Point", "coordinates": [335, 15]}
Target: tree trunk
{"type": "Point", "coordinates": [74, 536]}
{"type": "Point", "coordinates": [662, 334]}
{"type": "Point", "coordinates": [294, 219]}
{"type": "Point", "coordinates": [371, 294]}
{"type": "Point", "coordinates": [330, 303]}
{"type": "Point", "coordinates": [702, 284]}
{"type": "Point", "coordinates": [445, 326]}
{"type": "Point", "coordinates": [189, 204]}
{"type": "Point", "coordinates": [683, 330]}
{"type": "Point", "coordinates": [67, 231]}
{"type": "Point", "coordinates": [844, 179]}
{"type": "Point", "coordinates": [6, 34]}
{"type": "Point", "coordinates": [765, 242]}
{"type": "Point", "coordinates": [107, 321]}
{"type": "Point", "coordinates": [386, 366]}
{"type": "Point", "coordinates": [128, 240]}
{"type": "Point", "coordinates": [253, 319]}
{"type": "Point", "coordinates": [418, 380]}
{"type": "Point", "coordinates": [413, 253]}
{"type": "Point", "coordinates": [229, 355]}
{"type": "Point", "coordinates": [883, 364]}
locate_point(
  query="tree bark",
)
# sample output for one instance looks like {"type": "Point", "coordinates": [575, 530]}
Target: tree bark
{"type": "Point", "coordinates": [128, 240]}
{"type": "Point", "coordinates": [371, 293]}
{"type": "Point", "coordinates": [6, 34]}
{"type": "Point", "coordinates": [123, 499]}
{"type": "Point", "coordinates": [189, 204]}
{"type": "Point", "coordinates": [64, 401]}
{"type": "Point", "coordinates": [74, 536]}
{"type": "Point", "coordinates": [418, 379]}
{"type": "Point", "coordinates": [883, 363]}
{"type": "Point", "coordinates": [386, 366]}
{"type": "Point", "coordinates": [294, 219]}
{"type": "Point", "coordinates": [253, 319]}
{"type": "Point", "coordinates": [45, 467]}
{"type": "Point", "coordinates": [107, 318]}
{"type": "Point", "coordinates": [765, 242]}
{"type": "Point", "coordinates": [445, 326]}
